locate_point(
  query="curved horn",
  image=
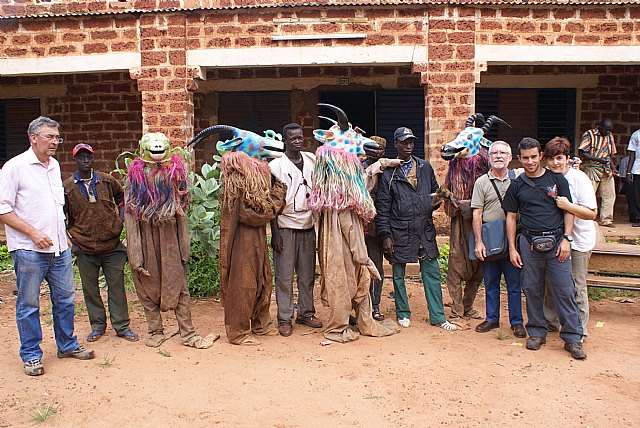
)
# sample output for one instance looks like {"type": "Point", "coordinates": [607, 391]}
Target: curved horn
{"type": "Point", "coordinates": [208, 131]}
{"type": "Point", "coordinates": [343, 120]}
{"type": "Point", "coordinates": [473, 118]}
{"type": "Point", "coordinates": [328, 119]}
{"type": "Point", "coordinates": [490, 121]}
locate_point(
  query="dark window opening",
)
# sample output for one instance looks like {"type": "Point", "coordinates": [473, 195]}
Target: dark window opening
{"type": "Point", "coordinates": [15, 116]}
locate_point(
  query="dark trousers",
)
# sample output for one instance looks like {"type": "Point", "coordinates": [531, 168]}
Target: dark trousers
{"type": "Point", "coordinates": [493, 272]}
{"type": "Point", "coordinates": [534, 267]}
{"type": "Point", "coordinates": [374, 249]}
{"type": "Point", "coordinates": [112, 264]}
{"type": "Point", "coordinates": [633, 199]}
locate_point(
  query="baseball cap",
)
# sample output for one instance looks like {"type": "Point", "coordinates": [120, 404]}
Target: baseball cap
{"type": "Point", "coordinates": [403, 133]}
{"type": "Point", "coordinates": [82, 146]}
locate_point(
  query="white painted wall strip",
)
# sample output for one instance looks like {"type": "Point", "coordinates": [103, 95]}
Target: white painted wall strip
{"type": "Point", "coordinates": [299, 56]}
{"type": "Point", "coordinates": [120, 61]}
{"type": "Point", "coordinates": [522, 54]}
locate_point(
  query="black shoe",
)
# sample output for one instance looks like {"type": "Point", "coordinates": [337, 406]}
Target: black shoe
{"type": "Point", "coordinates": [377, 315]}
{"type": "Point", "coordinates": [519, 331]}
{"type": "Point", "coordinates": [534, 343]}
{"type": "Point", "coordinates": [487, 326]}
{"type": "Point", "coordinates": [576, 350]}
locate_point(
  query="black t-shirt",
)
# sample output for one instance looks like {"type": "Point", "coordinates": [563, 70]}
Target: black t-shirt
{"type": "Point", "coordinates": [537, 206]}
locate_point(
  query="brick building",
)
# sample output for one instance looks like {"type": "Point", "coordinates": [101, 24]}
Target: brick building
{"type": "Point", "coordinates": [111, 70]}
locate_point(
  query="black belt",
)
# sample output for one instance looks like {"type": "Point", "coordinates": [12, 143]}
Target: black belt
{"type": "Point", "coordinates": [554, 232]}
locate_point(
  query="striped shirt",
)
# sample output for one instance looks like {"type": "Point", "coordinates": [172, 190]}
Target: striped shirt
{"type": "Point", "coordinates": [600, 146]}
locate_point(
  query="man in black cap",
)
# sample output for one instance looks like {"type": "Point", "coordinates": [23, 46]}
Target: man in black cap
{"type": "Point", "coordinates": [92, 201]}
{"type": "Point", "coordinates": [405, 226]}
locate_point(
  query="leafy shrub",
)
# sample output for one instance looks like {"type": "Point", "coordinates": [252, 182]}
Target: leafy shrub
{"type": "Point", "coordinates": [6, 262]}
{"type": "Point", "coordinates": [203, 276]}
{"type": "Point", "coordinates": [443, 262]}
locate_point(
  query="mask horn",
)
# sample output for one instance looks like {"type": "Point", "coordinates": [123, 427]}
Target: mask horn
{"type": "Point", "coordinates": [343, 120]}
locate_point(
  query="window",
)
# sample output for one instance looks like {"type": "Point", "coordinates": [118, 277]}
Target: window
{"type": "Point", "coordinates": [538, 113]}
{"type": "Point", "coordinates": [15, 116]}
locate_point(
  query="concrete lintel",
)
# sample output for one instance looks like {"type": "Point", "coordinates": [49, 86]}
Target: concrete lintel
{"type": "Point", "coordinates": [526, 54]}
{"type": "Point", "coordinates": [300, 83]}
{"type": "Point", "coordinates": [32, 91]}
{"type": "Point", "coordinates": [116, 61]}
{"type": "Point", "coordinates": [539, 81]}
{"type": "Point", "coordinates": [301, 56]}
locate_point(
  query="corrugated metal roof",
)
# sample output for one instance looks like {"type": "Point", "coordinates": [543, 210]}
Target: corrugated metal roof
{"type": "Point", "coordinates": [262, 4]}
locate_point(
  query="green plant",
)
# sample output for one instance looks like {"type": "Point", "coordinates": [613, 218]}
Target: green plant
{"type": "Point", "coordinates": [204, 224]}
{"type": "Point", "coordinates": [443, 262]}
{"type": "Point", "coordinates": [107, 362]}
{"type": "Point", "coordinates": [6, 262]}
{"type": "Point", "coordinates": [164, 353]}
{"type": "Point", "coordinates": [41, 412]}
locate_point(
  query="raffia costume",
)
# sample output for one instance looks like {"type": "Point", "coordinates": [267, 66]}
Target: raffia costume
{"type": "Point", "coordinates": [156, 202]}
{"type": "Point", "coordinates": [343, 203]}
{"type": "Point", "coordinates": [461, 175]}
{"type": "Point", "coordinates": [249, 203]}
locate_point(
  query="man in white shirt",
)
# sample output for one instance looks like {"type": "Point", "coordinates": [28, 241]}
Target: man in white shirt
{"type": "Point", "coordinates": [31, 207]}
{"type": "Point", "coordinates": [293, 237]}
{"type": "Point", "coordinates": [584, 208]}
{"type": "Point", "coordinates": [633, 173]}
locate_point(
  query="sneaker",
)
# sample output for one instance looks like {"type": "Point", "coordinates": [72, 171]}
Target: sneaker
{"type": "Point", "coordinates": [80, 353]}
{"type": "Point", "coordinates": [404, 322]}
{"type": "Point", "coordinates": [576, 350]}
{"type": "Point", "coordinates": [534, 343]}
{"type": "Point", "coordinates": [34, 367]}
{"type": "Point", "coordinates": [310, 321]}
{"type": "Point", "coordinates": [448, 326]}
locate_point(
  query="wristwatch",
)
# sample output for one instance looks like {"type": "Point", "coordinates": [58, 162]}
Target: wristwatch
{"type": "Point", "coordinates": [568, 237]}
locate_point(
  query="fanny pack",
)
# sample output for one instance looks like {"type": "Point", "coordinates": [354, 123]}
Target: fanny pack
{"type": "Point", "coordinates": [543, 241]}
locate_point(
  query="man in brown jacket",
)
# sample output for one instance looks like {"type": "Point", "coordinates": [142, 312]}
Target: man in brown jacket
{"type": "Point", "coordinates": [94, 225]}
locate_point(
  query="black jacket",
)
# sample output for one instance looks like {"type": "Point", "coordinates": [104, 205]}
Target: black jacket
{"type": "Point", "coordinates": [404, 213]}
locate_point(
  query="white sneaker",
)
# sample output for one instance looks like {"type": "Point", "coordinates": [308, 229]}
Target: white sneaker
{"type": "Point", "coordinates": [404, 322]}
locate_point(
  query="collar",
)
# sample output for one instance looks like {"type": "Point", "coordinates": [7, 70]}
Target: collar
{"type": "Point", "coordinates": [77, 179]}
{"type": "Point", "coordinates": [497, 178]}
{"type": "Point", "coordinates": [33, 159]}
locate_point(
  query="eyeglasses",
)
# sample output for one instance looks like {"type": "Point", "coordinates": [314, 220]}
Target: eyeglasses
{"type": "Point", "coordinates": [52, 137]}
{"type": "Point", "coordinates": [306, 195]}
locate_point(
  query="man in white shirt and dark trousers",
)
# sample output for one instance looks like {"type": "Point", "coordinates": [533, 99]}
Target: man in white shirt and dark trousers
{"type": "Point", "coordinates": [633, 174]}
{"type": "Point", "coordinates": [31, 207]}
{"type": "Point", "coordinates": [293, 236]}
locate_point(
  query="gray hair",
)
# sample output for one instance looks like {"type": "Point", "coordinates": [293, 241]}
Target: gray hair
{"type": "Point", "coordinates": [37, 124]}
{"type": "Point", "coordinates": [504, 143]}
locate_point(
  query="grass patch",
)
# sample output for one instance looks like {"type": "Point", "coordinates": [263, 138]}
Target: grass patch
{"type": "Point", "coordinates": [107, 362]}
{"type": "Point", "coordinates": [371, 396]}
{"type": "Point", "coordinates": [164, 353]}
{"type": "Point", "coordinates": [80, 308]}
{"type": "Point", "coordinates": [608, 293]}
{"type": "Point", "coordinates": [40, 412]}
{"type": "Point", "coordinates": [502, 336]}
{"type": "Point", "coordinates": [46, 316]}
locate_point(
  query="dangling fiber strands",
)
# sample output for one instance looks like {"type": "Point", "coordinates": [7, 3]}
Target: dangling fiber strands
{"type": "Point", "coordinates": [338, 184]}
{"type": "Point", "coordinates": [247, 179]}
{"type": "Point", "coordinates": [463, 173]}
{"type": "Point", "coordinates": [157, 193]}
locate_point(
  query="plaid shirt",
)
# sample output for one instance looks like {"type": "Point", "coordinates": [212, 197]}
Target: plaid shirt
{"type": "Point", "coordinates": [600, 146]}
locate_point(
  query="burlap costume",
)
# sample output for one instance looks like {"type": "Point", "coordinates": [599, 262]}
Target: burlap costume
{"type": "Point", "coordinates": [342, 202]}
{"type": "Point", "coordinates": [245, 271]}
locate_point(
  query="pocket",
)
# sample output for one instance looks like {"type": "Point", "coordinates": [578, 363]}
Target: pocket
{"type": "Point", "coordinates": [58, 194]}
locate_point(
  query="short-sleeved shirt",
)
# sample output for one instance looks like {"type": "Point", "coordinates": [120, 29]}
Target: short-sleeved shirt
{"type": "Point", "coordinates": [537, 206]}
{"type": "Point", "coordinates": [584, 231]}
{"type": "Point", "coordinates": [485, 197]}
{"type": "Point", "coordinates": [634, 146]}
{"type": "Point", "coordinates": [296, 214]}
{"type": "Point", "coordinates": [600, 146]}
{"type": "Point", "coordinates": [35, 193]}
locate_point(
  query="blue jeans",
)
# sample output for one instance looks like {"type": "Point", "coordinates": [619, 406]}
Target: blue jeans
{"type": "Point", "coordinates": [31, 269]}
{"type": "Point", "coordinates": [493, 271]}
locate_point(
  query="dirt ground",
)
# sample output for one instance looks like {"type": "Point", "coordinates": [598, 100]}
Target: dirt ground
{"type": "Point", "coordinates": [423, 376]}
